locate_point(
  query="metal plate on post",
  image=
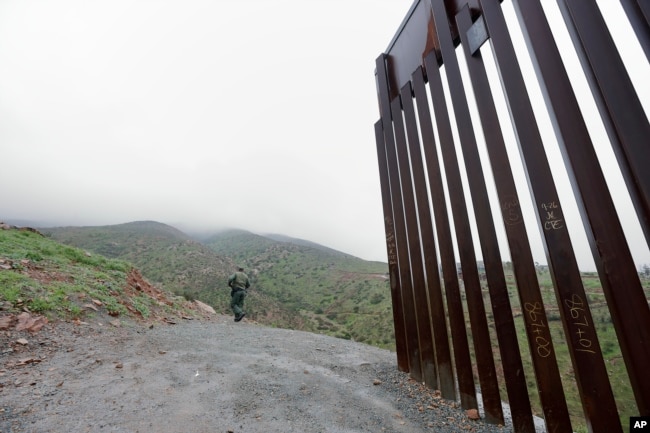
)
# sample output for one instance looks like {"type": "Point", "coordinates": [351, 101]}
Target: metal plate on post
{"type": "Point", "coordinates": [411, 44]}
{"type": "Point", "coordinates": [477, 35]}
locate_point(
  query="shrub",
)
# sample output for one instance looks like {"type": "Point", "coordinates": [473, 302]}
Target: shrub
{"type": "Point", "coordinates": [140, 307]}
{"type": "Point", "coordinates": [11, 284]}
{"type": "Point", "coordinates": [34, 256]}
{"type": "Point", "coordinates": [40, 305]}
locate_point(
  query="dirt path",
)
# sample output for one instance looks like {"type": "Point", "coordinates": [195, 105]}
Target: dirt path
{"type": "Point", "coordinates": [214, 376]}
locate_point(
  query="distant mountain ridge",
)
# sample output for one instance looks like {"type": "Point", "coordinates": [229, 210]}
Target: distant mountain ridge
{"type": "Point", "coordinates": [297, 284]}
{"type": "Point", "coordinates": [166, 256]}
{"type": "Point", "coordinates": [302, 242]}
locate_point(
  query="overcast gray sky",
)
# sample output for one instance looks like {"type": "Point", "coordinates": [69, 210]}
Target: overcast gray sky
{"type": "Point", "coordinates": [252, 114]}
{"type": "Point", "coordinates": [197, 113]}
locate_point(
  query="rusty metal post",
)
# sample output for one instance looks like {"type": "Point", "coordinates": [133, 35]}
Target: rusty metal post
{"type": "Point", "coordinates": [475, 306]}
{"type": "Point", "coordinates": [591, 374]}
{"type": "Point", "coordinates": [403, 259]}
{"type": "Point", "coordinates": [446, 378]}
{"type": "Point", "coordinates": [425, 334]}
{"type": "Point", "coordinates": [391, 247]}
{"type": "Point", "coordinates": [506, 332]}
{"type": "Point", "coordinates": [619, 105]}
{"type": "Point", "coordinates": [638, 12]}
{"type": "Point", "coordinates": [534, 313]}
{"type": "Point", "coordinates": [459, 340]}
{"type": "Point", "coordinates": [625, 297]}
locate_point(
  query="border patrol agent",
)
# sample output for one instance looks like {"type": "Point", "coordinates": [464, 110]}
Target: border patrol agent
{"type": "Point", "coordinates": [238, 283]}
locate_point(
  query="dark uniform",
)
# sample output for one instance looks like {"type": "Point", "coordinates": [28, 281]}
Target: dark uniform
{"type": "Point", "coordinates": [238, 283]}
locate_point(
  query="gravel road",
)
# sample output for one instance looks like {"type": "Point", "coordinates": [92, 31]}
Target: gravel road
{"type": "Point", "coordinates": [210, 376]}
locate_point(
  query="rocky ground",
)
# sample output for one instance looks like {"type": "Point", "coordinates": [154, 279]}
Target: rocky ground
{"type": "Point", "coordinates": [209, 375]}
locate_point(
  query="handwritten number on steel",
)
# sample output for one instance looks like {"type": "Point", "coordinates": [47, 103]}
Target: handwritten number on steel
{"type": "Point", "coordinates": [511, 211]}
{"type": "Point", "coordinates": [536, 319]}
{"type": "Point", "coordinates": [580, 321]}
{"type": "Point", "coordinates": [390, 242]}
{"type": "Point", "coordinates": [552, 215]}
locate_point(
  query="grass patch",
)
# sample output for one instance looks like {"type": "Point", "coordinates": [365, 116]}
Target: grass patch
{"type": "Point", "coordinates": [140, 305]}
{"type": "Point", "coordinates": [11, 285]}
{"type": "Point", "coordinates": [58, 281]}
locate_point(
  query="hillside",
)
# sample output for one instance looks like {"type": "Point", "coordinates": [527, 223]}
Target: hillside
{"type": "Point", "coordinates": [296, 285]}
{"type": "Point", "coordinates": [46, 279]}
{"type": "Point", "coordinates": [167, 257]}
{"type": "Point", "coordinates": [333, 293]}
{"type": "Point", "coordinates": [87, 344]}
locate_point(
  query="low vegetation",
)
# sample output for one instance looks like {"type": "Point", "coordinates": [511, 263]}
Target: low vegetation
{"type": "Point", "coordinates": [330, 292]}
{"type": "Point", "coordinates": [618, 378]}
{"type": "Point", "coordinates": [44, 277]}
{"type": "Point", "coordinates": [295, 285]}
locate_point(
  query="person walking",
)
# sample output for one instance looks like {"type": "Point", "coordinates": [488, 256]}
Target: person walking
{"type": "Point", "coordinates": [238, 283]}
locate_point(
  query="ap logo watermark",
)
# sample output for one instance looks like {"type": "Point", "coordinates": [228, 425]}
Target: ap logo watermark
{"type": "Point", "coordinates": [639, 424]}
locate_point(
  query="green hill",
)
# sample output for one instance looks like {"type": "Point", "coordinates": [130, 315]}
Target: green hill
{"type": "Point", "coordinates": [167, 257]}
{"type": "Point", "coordinates": [44, 277]}
{"type": "Point", "coordinates": [331, 292]}
{"type": "Point", "coordinates": [296, 284]}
